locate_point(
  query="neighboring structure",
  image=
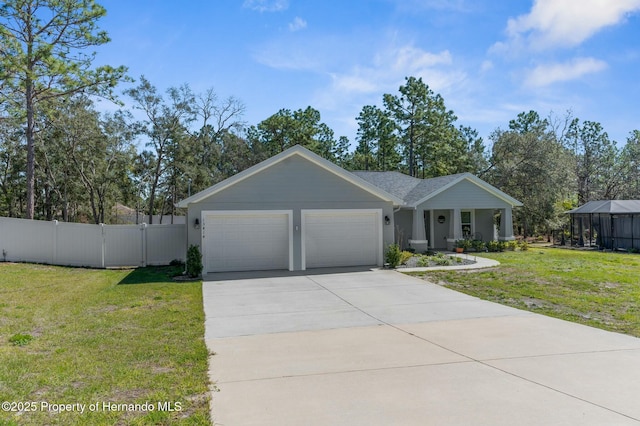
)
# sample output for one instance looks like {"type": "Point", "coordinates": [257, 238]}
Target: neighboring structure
{"type": "Point", "coordinates": [607, 224]}
{"type": "Point", "coordinates": [297, 210]}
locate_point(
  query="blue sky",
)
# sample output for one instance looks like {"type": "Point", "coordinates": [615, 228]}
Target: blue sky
{"type": "Point", "coordinates": [489, 59]}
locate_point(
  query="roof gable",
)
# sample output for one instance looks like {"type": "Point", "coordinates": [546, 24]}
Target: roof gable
{"type": "Point", "coordinates": [414, 191]}
{"type": "Point", "coordinates": [294, 151]}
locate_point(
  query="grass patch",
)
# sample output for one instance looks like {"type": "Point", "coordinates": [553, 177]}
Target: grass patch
{"type": "Point", "coordinates": [94, 340]}
{"type": "Point", "coordinates": [594, 288]}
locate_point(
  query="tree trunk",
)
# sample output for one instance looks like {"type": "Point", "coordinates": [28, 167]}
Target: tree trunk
{"type": "Point", "coordinates": [31, 154]}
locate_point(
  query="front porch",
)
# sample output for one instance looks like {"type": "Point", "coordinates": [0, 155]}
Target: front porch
{"type": "Point", "coordinates": [443, 227]}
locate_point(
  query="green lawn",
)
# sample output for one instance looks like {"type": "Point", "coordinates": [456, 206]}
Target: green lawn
{"type": "Point", "coordinates": [101, 337]}
{"type": "Point", "coordinates": [589, 287]}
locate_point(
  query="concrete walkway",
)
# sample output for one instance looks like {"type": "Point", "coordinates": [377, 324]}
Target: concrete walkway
{"type": "Point", "coordinates": [377, 347]}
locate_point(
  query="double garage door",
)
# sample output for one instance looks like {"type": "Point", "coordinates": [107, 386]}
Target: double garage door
{"type": "Point", "coordinates": [261, 240]}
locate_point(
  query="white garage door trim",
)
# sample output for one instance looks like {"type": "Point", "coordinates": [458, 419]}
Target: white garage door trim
{"type": "Point", "coordinates": [244, 213]}
{"type": "Point", "coordinates": [338, 212]}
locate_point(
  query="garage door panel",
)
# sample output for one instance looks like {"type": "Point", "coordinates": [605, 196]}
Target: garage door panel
{"type": "Point", "coordinates": [244, 241]}
{"type": "Point", "coordinates": [342, 238]}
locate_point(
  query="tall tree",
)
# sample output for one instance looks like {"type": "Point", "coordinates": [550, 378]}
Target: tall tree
{"type": "Point", "coordinates": [529, 163]}
{"type": "Point", "coordinates": [426, 129]}
{"type": "Point", "coordinates": [166, 127]}
{"type": "Point", "coordinates": [595, 157]}
{"type": "Point", "coordinates": [377, 140]}
{"type": "Point", "coordinates": [475, 158]}
{"type": "Point", "coordinates": [89, 160]}
{"type": "Point", "coordinates": [288, 128]}
{"type": "Point", "coordinates": [12, 162]}
{"type": "Point", "coordinates": [629, 164]}
{"type": "Point", "coordinates": [410, 112]}
{"type": "Point", "coordinates": [42, 44]}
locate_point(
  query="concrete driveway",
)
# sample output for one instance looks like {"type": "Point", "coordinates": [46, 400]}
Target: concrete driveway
{"type": "Point", "coordinates": [375, 347]}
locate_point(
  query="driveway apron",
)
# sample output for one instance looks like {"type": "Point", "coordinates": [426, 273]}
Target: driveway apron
{"type": "Point", "coordinates": [375, 347]}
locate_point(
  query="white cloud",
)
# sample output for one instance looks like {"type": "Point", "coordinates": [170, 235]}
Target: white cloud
{"type": "Point", "coordinates": [486, 66]}
{"type": "Point", "coordinates": [390, 67]}
{"type": "Point", "coordinates": [409, 59]}
{"type": "Point", "coordinates": [297, 24]}
{"type": "Point", "coordinates": [386, 73]}
{"type": "Point", "coordinates": [266, 5]}
{"type": "Point", "coordinates": [544, 75]}
{"type": "Point", "coordinates": [564, 23]}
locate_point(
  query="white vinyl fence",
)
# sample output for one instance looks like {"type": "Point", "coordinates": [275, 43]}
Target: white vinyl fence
{"type": "Point", "coordinates": [97, 246]}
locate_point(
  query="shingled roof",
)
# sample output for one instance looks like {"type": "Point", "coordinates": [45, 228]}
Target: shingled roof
{"type": "Point", "coordinates": [414, 191]}
{"type": "Point", "coordinates": [410, 189]}
{"type": "Point", "coordinates": [608, 206]}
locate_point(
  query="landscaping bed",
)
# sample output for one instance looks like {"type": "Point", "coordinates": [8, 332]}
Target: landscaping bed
{"type": "Point", "coordinates": [433, 259]}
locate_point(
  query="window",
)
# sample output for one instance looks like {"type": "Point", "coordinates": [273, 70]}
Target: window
{"type": "Point", "coordinates": [465, 220]}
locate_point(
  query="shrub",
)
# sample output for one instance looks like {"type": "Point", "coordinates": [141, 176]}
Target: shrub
{"type": "Point", "coordinates": [392, 256]}
{"type": "Point", "coordinates": [405, 256]}
{"type": "Point", "coordinates": [523, 245]}
{"type": "Point", "coordinates": [495, 246]}
{"type": "Point", "coordinates": [20, 339]}
{"type": "Point", "coordinates": [194, 261]}
{"type": "Point", "coordinates": [511, 245]}
{"type": "Point", "coordinates": [423, 261]}
{"type": "Point", "coordinates": [478, 245]}
{"type": "Point", "coordinates": [463, 244]}
{"type": "Point", "coordinates": [443, 260]}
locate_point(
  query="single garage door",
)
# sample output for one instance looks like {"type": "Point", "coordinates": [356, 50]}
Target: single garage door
{"type": "Point", "coordinates": [341, 238]}
{"type": "Point", "coordinates": [247, 240]}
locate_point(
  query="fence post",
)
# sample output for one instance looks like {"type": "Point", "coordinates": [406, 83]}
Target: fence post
{"type": "Point", "coordinates": [54, 258]}
{"type": "Point", "coordinates": [143, 232]}
{"type": "Point", "coordinates": [102, 245]}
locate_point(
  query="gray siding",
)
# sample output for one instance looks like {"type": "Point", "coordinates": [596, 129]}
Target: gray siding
{"type": "Point", "coordinates": [484, 224]}
{"type": "Point", "coordinates": [465, 195]}
{"type": "Point", "coordinates": [293, 184]}
{"type": "Point", "coordinates": [404, 227]}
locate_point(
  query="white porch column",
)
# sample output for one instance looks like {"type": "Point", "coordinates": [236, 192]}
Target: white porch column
{"type": "Point", "coordinates": [506, 225]}
{"type": "Point", "coordinates": [418, 232]}
{"type": "Point", "coordinates": [455, 228]}
{"type": "Point", "coordinates": [456, 222]}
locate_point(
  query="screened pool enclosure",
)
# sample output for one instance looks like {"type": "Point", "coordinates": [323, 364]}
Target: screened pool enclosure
{"type": "Point", "coordinates": [607, 224]}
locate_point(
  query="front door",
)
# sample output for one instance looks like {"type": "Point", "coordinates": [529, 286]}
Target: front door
{"type": "Point", "coordinates": [441, 220]}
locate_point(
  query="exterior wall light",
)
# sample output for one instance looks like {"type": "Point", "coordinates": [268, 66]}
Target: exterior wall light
{"type": "Point", "coordinates": [387, 221]}
{"type": "Point", "coordinates": [196, 223]}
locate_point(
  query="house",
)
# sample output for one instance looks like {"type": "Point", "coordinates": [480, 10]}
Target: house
{"type": "Point", "coordinates": [607, 224]}
{"type": "Point", "coordinates": [297, 211]}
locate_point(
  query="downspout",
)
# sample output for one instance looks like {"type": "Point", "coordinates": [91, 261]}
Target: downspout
{"type": "Point", "coordinates": [632, 230]}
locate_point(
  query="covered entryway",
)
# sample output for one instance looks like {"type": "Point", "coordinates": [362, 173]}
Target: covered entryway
{"type": "Point", "coordinates": [247, 240]}
{"type": "Point", "coordinates": [341, 238]}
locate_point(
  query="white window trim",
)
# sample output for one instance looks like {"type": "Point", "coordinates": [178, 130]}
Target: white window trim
{"type": "Point", "coordinates": [472, 218]}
